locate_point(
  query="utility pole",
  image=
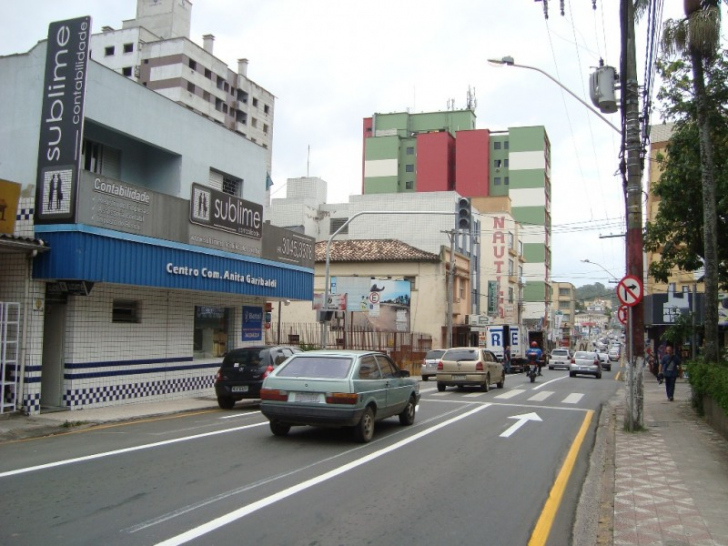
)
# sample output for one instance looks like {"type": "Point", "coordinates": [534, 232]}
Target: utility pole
{"type": "Point", "coordinates": [635, 262]}
{"type": "Point", "coordinates": [450, 287]}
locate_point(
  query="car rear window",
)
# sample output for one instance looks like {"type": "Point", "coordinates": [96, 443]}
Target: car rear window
{"type": "Point", "coordinates": [559, 352]}
{"type": "Point", "coordinates": [244, 357]}
{"type": "Point", "coordinates": [461, 354]}
{"type": "Point", "coordinates": [316, 367]}
{"type": "Point", "coordinates": [584, 354]}
{"type": "Point", "coordinates": [431, 355]}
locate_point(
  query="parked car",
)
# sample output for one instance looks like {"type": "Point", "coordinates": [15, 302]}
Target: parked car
{"type": "Point", "coordinates": [332, 388]}
{"type": "Point", "coordinates": [243, 370]}
{"type": "Point", "coordinates": [560, 358]}
{"type": "Point", "coordinates": [614, 353]}
{"type": "Point", "coordinates": [604, 361]}
{"type": "Point", "coordinates": [469, 366]}
{"type": "Point", "coordinates": [587, 363]}
{"type": "Point", "coordinates": [429, 363]}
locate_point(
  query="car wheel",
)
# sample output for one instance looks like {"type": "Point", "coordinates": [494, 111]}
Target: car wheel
{"type": "Point", "coordinates": [425, 378]}
{"type": "Point", "coordinates": [599, 376]}
{"type": "Point", "coordinates": [572, 374]}
{"type": "Point", "coordinates": [407, 417]}
{"type": "Point", "coordinates": [225, 402]}
{"type": "Point", "coordinates": [279, 429]}
{"type": "Point", "coordinates": [502, 381]}
{"type": "Point", "coordinates": [551, 367]}
{"type": "Point", "coordinates": [441, 387]}
{"type": "Point", "coordinates": [485, 387]}
{"type": "Point", "coordinates": [364, 431]}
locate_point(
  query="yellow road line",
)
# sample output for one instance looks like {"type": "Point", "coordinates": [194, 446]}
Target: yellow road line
{"type": "Point", "coordinates": [548, 514]}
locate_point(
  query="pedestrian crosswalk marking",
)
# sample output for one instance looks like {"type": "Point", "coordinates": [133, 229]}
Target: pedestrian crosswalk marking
{"type": "Point", "coordinates": [573, 398]}
{"type": "Point", "coordinates": [541, 396]}
{"type": "Point", "coordinates": [509, 394]}
{"type": "Point", "coordinates": [473, 394]}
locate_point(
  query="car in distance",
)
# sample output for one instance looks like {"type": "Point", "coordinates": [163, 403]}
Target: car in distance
{"type": "Point", "coordinates": [560, 358]}
{"type": "Point", "coordinates": [243, 370]}
{"type": "Point", "coordinates": [585, 362]}
{"type": "Point", "coordinates": [604, 361]}
{"type": "Point", "coordinates": [429, 363]}
{"type": "Point", "coordinates": [469, 366]}
{"type": "Point", "coordinates": [337, 388]}
{"type": "Point", "coordinates": [614, 353]}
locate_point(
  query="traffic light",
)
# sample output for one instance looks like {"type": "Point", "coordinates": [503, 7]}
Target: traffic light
{"type": "Point", "coordinates": [464, 212]}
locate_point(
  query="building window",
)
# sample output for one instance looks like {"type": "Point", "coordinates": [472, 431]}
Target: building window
{"type": "Point", "coordinates": [505, 145]}
{"type": "Point", "coordinates": [409, 185]}
{"type": "Point", "coordinates": [410, 150]}
{"type": "Point", "coordinates": [242, 96]}
{"type": "Point", "coordinates": [192, 64]}
{"type": "Point", "coordinates": [265, 128]}
{"type": "Point", "coordinates": [218, 104]}
{"type": "Point", "coordinates": [497, 180]}
{"type": "Point", "coordinates": [126, 311]}
{"type": "Point", "coordinates": [510, 294]}
{"type": "Point", "coordinates": [409, 168]}
{"type": "Point", "coordinates": [255, 102]}
{"type": "Point", "coordinates": [497, 163]}
{"type": "Point", "coordinates": [108, 51]}
{"type": "Point", "coordinates": [241, 117]}
{"type": "Point", "coordinates": [336, 223]}
{"type": "Point", "coordinates": [564, 304]}
{"type": "Point", "coordinates": [505, 181]}
{"type": "Point", "coordinates": [206, 96]}
{"type": "Point", "coordinates": [220, 82]}
{"type": "Point", "coordinates": [208, 73]}
{"type": "Point", "coordinates": [231, 185]}
{"type": "Point", "coordinates": [224, 108]}
{"type": "Point", "coordinates": [505, 163]}
{"type": "Point", "coordinates": [266, 109]}
{"type": "Point", "coordinates": [100, 159]}
{"type": "Point", "coordinates": [253, 122]}
{"type": "Point", "coordinates": [126, 71]}
{"type": "Point", "coordinates": [210, 334]}
{"type": "Point", "coordinates": [128, 48]}
{"type": "Point", "coordinates": [510, 240]}
{"type": "Point", "coordinates": [190, 87]}
{"type": "Point", "coordinates": [511, 269]}
{"type": "Point", "coordinates": [496, 145]}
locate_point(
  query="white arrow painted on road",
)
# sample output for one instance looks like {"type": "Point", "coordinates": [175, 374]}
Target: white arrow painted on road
{"type": "Point", "coordinates": [521, 421]}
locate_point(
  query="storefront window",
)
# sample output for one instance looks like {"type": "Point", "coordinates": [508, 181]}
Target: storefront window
{"type": "Point", "coordinates": [211, 331]}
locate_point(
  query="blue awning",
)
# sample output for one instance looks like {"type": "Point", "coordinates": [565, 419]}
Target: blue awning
{"type": "Point", "coordinates": [81, 252]}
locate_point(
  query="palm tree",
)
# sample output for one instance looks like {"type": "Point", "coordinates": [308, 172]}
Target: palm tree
{"type": "Point", "coordinates": [699, 35]}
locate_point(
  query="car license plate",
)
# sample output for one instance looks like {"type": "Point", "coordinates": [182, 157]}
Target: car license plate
{"type": "Point", "coordinates": [310, 397]}
{"type": "Point", "coordinates": [240, 388]}
{"type": "Point", "coordinates": [458, 378]}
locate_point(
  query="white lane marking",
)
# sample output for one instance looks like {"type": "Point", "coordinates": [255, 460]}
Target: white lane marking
{"type": "Point", "coordinates": [125, 450]}
{"type": "Point", "coordinates": [547, 382]}
{"type": "Point", "coordinates": [473, 394]}
{"type": "Point", "coordinates": [509, 394]}
{"type": "Point", "coordinates": [521, 420]}
{"type": "Point", "coordinates": [253, 507]}
{"type": "Point", "coordinates": [236, 415]}
{"type": "Point", "coordinates": [540, 396]}
{"type": "Point", "coordinates": [573, 398]}
{"type": "Point", "coordinates": [443, 393]}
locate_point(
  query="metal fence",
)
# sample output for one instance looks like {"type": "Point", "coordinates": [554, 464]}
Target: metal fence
{"type": "Point", "coordinates": [406, 348]}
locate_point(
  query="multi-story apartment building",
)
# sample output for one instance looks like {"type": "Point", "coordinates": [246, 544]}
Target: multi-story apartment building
{"type": "Point", "coordinates": [443, 151]}
{"type": "Point", "coordinates": [564, 303]}
{"type": "Point", "coordinates": [155, 50]}
{"type": "Point", "coordinates": [139, 253]}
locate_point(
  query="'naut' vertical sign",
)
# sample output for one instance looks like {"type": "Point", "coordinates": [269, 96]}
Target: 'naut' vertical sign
{"type": "Point", "coordinates": [61, 123]}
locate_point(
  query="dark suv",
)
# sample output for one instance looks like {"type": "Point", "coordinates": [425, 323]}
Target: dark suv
{"type": "Point", "coordinates": [243, 370]}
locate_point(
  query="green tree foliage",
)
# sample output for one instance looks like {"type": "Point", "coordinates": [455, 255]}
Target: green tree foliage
{"type": "Point", "coordinates": [677, 231]}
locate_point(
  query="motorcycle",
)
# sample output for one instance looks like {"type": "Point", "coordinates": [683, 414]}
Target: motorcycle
{"type": "Point", "coordinates": [532, 370]}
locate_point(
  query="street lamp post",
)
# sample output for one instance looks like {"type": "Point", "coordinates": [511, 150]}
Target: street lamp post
{"type": "Point", "coordinates": [508, 61]}
{"type": "Point", "coordinates": [613, 280]}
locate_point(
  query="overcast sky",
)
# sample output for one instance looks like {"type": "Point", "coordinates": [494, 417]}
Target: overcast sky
{"type": "Point", "coordinates": [330, 63]}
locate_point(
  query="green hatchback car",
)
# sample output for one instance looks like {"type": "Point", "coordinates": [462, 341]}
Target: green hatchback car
{"type": "Point", "coordinates": [331, 388]}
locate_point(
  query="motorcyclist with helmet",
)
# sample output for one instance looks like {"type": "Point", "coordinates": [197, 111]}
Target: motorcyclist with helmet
{"type": "Point", "coordinates": [535, 356]}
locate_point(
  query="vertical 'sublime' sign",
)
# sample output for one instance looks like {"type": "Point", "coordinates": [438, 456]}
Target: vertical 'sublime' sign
{"type": "Point", "coordinates": [61, 122]}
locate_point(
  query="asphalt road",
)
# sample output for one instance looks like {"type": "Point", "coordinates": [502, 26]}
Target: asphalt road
{"type": "Point", "coordinates": [496, 468]}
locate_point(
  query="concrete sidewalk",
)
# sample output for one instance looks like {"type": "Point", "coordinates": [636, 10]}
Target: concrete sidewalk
{"type": "Point", "coordinates": [666, 485]}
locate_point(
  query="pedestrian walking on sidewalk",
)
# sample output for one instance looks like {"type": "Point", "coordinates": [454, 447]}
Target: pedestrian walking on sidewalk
{"type": "Point", "coordinates": [670, 368]}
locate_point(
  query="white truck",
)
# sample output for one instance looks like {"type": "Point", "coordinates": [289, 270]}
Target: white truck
{"type": "Point", "coordinates": [496, 337]}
